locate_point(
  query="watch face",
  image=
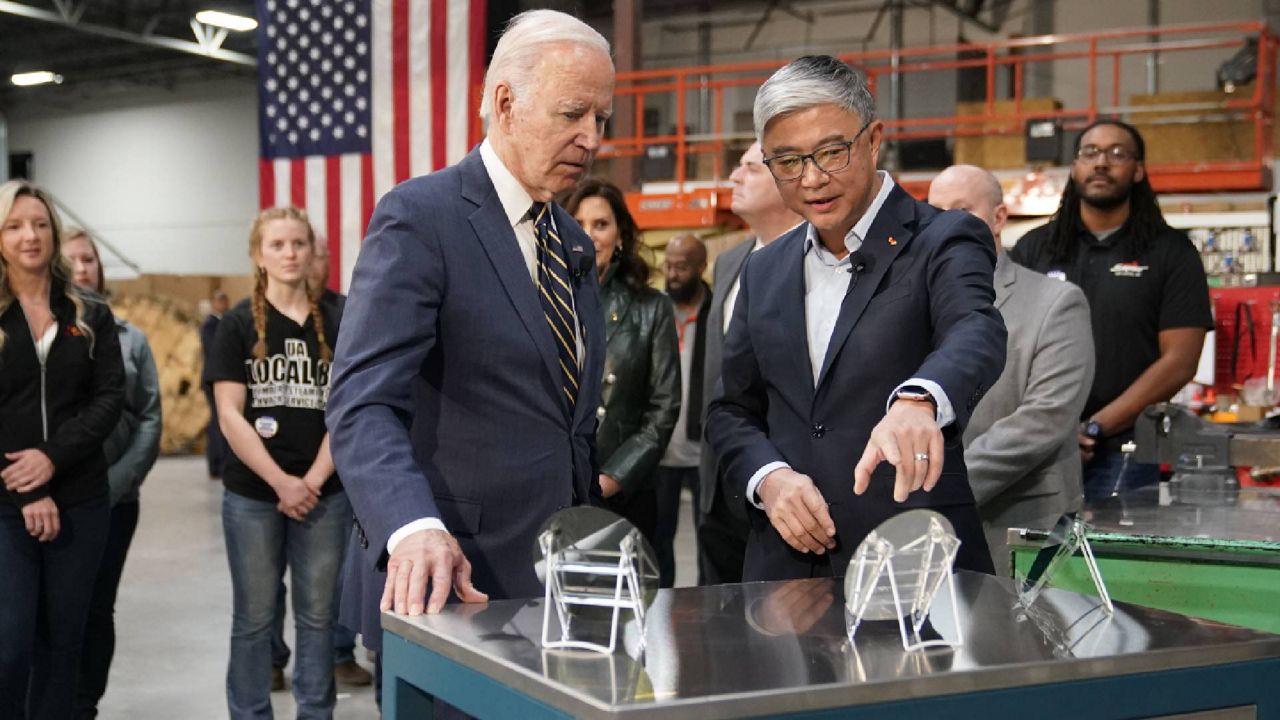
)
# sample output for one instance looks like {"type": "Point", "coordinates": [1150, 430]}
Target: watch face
{"type": "Point", "coordinates": [909, 395]}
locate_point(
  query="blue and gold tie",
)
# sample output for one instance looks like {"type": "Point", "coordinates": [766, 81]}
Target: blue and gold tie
{"type": "Point", "coordinates": [556, 294]}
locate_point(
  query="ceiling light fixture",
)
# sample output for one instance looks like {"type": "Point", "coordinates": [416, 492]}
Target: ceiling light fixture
{"type": "Point", "coordinates": [237, 23]}
{"type": "Point", "coordinates": [38, 77]}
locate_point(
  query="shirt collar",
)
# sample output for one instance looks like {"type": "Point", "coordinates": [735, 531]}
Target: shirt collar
{"type": "Point", "coordinates": [853, 239]}
{"type": "Point", "coordinates": [515, 200]}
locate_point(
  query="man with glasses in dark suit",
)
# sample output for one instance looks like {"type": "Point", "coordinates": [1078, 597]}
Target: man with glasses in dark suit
{"type": "Point", "coordinates": [860, 342]}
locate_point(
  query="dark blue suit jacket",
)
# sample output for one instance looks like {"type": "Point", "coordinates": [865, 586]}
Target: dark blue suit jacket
{"type": "Point", "coordinates": [445, 400]}
{"type": "Point", "coordinates": [922, 307]}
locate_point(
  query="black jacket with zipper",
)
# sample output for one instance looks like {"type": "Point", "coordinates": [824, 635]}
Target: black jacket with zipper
{"type": "Point", "coordinates": [67, 408]}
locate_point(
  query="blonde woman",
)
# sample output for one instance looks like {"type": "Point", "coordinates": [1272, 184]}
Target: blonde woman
{"type": "Point", "coordinates": [61, 393]}
{"type": "Point", "coordinates": [283, 503]}
{"type": "Point", "coordinates": [131, 451]}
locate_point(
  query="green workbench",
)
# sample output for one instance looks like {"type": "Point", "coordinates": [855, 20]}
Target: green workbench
{"type": "Point", "coordinates": [1206, 554]}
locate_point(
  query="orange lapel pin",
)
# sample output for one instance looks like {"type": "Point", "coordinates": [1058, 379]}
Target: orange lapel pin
{"type": "Point", "coordinates": [892, 241]}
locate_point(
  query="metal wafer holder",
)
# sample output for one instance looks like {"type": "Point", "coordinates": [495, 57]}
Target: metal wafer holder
{"type": "Point", "coordinates": [599, 573]}
{"type": "Point", "coordinates": [896, 573]}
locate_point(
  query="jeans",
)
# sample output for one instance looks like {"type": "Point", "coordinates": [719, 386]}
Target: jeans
{"type": "Point", "coordinates": [344, 640]}
{"type": "Point", "coordinates": [1100, 475]}
{"type": "Point", "coordinates": [255, 533]}
{"type": "Point", "coordinates": [47, 590]}
{"type": "Point", "coordinates": [100, 633]}
{"type": "Point", "coordinates": [671, 480]}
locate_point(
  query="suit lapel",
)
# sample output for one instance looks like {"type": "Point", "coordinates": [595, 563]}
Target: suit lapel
{"type": "Point", "coordinates": [496, 236]}
{"type": "Point", "coordinates": [790, 307]}
{"type": "Point", "coordinates": [733, 268]}
{"type": "Point", "coordinates": [1004, 280]}
{"type": "Point", "coordinates": [890, 224]}
{"type": "Point", "coordinates": [586, 305]}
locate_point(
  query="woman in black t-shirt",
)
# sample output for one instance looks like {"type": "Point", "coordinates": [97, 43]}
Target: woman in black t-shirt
{"type": "Point", "coordinates": [283, 503]}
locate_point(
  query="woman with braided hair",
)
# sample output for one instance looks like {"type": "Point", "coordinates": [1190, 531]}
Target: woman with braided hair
{"type": "Point", "coordinates": [283, 503]}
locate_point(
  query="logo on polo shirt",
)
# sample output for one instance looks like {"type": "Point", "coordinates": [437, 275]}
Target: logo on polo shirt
{"type": "Point", "coordinates": [1057, 275]}
{"type": "Point", "coordinates": [1129, 269]}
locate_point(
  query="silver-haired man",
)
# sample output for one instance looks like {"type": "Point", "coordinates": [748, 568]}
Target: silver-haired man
{"type": "Point", "coordinates": [468, 371]}
{"type": "Point", "coordinates": [889, 303]}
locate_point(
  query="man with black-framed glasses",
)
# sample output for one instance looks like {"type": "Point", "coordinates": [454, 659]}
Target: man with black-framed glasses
{"type": "Point", "coordinates": [1148, 297]}
{"type": "Point", "coordinates": [860, 342]}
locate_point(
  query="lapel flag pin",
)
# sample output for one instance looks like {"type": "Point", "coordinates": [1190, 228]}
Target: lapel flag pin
{"type": "Point", "coordinates": [892, 241]}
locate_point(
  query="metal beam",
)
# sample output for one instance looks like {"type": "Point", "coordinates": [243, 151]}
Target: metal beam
{"type": "Point", "coordinates": [168, 43]}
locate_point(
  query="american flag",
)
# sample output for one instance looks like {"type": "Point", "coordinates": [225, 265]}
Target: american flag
{"type": "Point", "coordinates": [358, 95]}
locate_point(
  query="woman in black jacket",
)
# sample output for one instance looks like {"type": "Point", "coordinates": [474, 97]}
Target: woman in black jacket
{"type": "Point", "coordinates": [640, 395]}
{"type": "Point", "coordinates": [61, 394]}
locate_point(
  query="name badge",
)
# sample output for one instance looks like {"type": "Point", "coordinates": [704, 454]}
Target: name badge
{"type": "Point", "coordinates": [266, 426]}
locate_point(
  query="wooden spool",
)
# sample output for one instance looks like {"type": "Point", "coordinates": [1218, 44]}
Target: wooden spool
{"type": "Point", "coordinates": [175, 342]}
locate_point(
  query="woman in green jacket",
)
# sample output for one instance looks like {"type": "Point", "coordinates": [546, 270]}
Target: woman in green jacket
{"type": "Point", "coordinates": [640, 395]}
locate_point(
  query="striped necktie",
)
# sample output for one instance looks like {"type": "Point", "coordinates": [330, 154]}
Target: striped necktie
{"type": "Point", "coordinates": [556, 295]}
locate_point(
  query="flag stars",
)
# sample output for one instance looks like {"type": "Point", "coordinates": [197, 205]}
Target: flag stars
{"type": "Point", "coordinates": [316, 81]}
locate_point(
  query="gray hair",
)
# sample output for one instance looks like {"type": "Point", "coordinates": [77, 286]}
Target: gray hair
{"type": "Point", "coordinates": [517, 53]}
{"type": "Point", "coordinates": [813, 80]}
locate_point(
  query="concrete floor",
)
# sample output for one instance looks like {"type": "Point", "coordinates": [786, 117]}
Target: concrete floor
{"type": "Point", "coordinates": [173, 615]}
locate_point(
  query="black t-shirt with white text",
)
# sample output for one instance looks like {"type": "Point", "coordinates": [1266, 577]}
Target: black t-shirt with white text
{"type": "Point", "coordinates": [286, 393]}
{"type": "Point", "coordinates": [1131, 300]}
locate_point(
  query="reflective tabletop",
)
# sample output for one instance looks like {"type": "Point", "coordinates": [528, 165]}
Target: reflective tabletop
{"type": "Point", "coordinates": [760, 648]}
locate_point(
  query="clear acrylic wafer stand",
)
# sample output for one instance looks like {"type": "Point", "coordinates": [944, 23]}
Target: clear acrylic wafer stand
{"type": "Point", "coordinates": [1068, 535]}
{"type": "Point", "coordinates": [591, 558]}
{"type": "Point", "coordinates": [896, 573]}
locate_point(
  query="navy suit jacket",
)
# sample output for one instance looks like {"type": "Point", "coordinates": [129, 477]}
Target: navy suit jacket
{"type": "Point", "coordinates": [446, 400]}
{"type": "Point", "coordinates": [921, 307]}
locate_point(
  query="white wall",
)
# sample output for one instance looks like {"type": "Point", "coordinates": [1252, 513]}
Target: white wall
{"type": "Point", "coordinates": [169, 177]}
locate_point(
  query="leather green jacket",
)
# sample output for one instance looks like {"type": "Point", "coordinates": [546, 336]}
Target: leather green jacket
{"type": "Point", "coordinates": [640, 395]}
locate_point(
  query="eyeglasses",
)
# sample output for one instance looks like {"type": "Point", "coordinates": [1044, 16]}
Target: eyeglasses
{"type": "Point", "coordinates": [828, 158]}
{"type": "Point", "coordinates": [1115, 153]}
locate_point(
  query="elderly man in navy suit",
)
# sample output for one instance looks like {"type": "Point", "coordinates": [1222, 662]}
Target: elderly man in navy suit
{"type": "Point", "coordinates": [462, 408]}
{"type": "Point", "coordinates": [860, 342]}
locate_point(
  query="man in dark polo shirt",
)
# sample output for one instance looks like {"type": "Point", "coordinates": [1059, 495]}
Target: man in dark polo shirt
{"type": "Point", "coordinates": [1147, 294]}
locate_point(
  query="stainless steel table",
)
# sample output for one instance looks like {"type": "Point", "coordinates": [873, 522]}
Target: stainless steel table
{"type": "Point", "coordinates": [780, 649]}
{"type": "Point", "coordinates": [1206, 552]}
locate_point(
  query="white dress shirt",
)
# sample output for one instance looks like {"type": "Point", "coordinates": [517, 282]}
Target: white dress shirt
{"type": "Point", "coordinates": [516, 203]}
{"type": "Point", "coordinates": [826, 282]}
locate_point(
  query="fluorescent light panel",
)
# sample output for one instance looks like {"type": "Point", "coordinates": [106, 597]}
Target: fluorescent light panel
{"type": "Point", "coordinates": [37, 77]}
{"type": "Point", "coordinates": [216, 18]}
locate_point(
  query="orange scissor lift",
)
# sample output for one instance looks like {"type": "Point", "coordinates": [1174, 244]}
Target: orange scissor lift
{"type": "Point", "coordinates": [684, 202]}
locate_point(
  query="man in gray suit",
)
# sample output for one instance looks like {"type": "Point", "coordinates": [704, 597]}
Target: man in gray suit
{"type": "Point", "coordinates": [1020, 446]}
{"type": "Point", "coordinates": [722, 527]}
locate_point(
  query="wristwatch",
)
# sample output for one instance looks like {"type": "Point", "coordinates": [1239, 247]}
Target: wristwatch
{"type": "Point", "coordinates": [919, 394]}
{"type": "Point", "coordinates": [1093, 429]}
